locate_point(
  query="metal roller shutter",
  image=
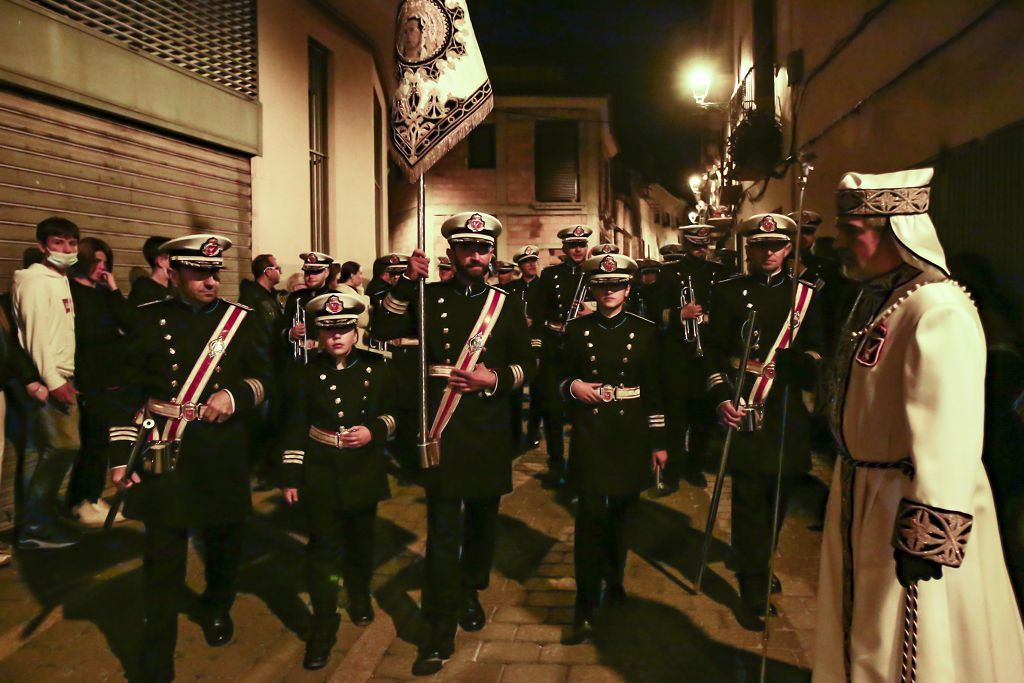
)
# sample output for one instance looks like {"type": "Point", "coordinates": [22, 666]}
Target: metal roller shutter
{"type": "Point", "coordinates": [119, 183]}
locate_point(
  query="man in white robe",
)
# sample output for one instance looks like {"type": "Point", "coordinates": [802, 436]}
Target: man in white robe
{"type": "Point", "coordinates": [913, 583]}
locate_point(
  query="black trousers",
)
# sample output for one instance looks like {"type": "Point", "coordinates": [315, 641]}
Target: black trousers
{"type": "Point", "coordinates": [165, 556]}
{"type": "Point", "coordinates": [335, 534]}
{"type": "Point", "coordinates": [684, 414]}
{"type": "Point", "coordinates": [600, 544]}
{"type": "Point", "coordinates": [461, 538]}
{"type": "Point", "coordinates": [515, 414]}
{"type": "Point", "coordinates": [753, 504]}
{"type": "Point", "coordinates": [99, 411]}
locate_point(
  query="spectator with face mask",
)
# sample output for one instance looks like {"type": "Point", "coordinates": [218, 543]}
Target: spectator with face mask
{"type": "Point", "coordinates": [102, 319]}
{"type": "Point", "coordinates": [45, 316]}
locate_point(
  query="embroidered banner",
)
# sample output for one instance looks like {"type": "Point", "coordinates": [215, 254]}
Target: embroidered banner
{"type": "Point", "coordinates": [443, 90]}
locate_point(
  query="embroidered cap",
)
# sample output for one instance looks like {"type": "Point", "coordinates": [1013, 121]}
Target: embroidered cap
{"type": "Point", "coordinates": [903, 197]}
{"type": "Point", "coordinates": [334, 310]}
{"type": "Point", "coordinates": [444, 263]}
{"type": "Point", "coordinates": [720, 217]}
{"type": "Point", "coordinates": [604, 248]}
{"type": "Point", "coordinates": [697, 234]}
{"type": "Point", "coordinates": [647, 265]}
{"type": "Point", "coordinates": [810, 221]}
{"type": "Point", "coordinates": [528, 253]}
{"type": "Point", "coordinates": [575, 235]}
{"type": "Point", "coordinates": [610, 269]}
{"type": "Point", "coordinates": [471, 226]}
{"type": "Point", "coordinates": [205, 252]}
{"type": "Point", "coordinates": [768, 227]}
{"type": "Point", "coordinates": [397, 263]}
{"type": "Point", "coordinates": [670, 252]}
{"type": "Point", "coordinates": [503, 267]}
{"type": "Point", "coordinates": [315, 261]}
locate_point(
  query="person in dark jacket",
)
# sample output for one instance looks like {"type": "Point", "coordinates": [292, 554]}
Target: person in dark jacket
{"type": "Point", "coordinates": [333, 464]}
{"type": "Point", "coordinates": [775, 361]}
{"type": "Point", "coordinates": [478, 351]}
{"type": "Point", "coordinates": [157, 286]}
{"type": "Point", "coordinates": [555, 304]}
{"type": "Point", "coordinates": [103, 320]}
{"type": "Point", "coordinates": [201, 363]}
{"type": "Point", "coordinates": [260, 295]}
{"type": "Point", "coordinates": [611, 382]}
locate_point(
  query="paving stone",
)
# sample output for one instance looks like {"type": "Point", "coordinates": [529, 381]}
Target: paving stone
{"type": "Point", "coordinates": [508, 653]}
{"type": "Point", "coordinates": [551, 599]}
{"type": "Point", "coordinates": [540, 633]}
{"type": "Point", "coordinates": [556, 653]}
{"type": "Point", "coordinates": [520, 615]}
{"type": "Point", "coordinates": [534, 673]}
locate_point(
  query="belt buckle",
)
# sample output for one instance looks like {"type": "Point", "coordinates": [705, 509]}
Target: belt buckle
{"type": "Point", "coordinates": [607, 392]}
{"type": "Point", "coordinates": [189, 412]}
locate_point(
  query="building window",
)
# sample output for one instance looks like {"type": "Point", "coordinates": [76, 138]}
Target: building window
{"type": "Point", "coordinates": [556, 161]}
{"type": "Point", "coordinates": [482, 147]}
{"type": "Point", "coordinates": [318, 203]}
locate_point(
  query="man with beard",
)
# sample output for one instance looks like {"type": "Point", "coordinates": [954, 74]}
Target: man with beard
{"type": "Point", "coordinates": [913, 583]}
{"type": "Point", "coordinates": [775, 358]}
{"type": "Point", "coordinates": [558, 292]}
{"type": "Point", "coordinates": [688, 415]}
{"type": "Point", "coordinates": [316, 267]}
{"type": "Point", "coordinates": [478, 350]}
{"type": "Point", "coordinates": [202, 364]}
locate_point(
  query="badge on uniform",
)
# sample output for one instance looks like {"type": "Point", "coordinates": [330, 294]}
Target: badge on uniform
{"type": "Point", "coordinates": [871, 348]}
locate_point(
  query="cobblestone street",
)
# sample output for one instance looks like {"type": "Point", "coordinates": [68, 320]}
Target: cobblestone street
{"type": "Point", "coordinates": [76, 615]}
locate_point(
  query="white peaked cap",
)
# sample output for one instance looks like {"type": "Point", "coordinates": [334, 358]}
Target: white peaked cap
{"type": "Point", "coordinates": [903, 197]}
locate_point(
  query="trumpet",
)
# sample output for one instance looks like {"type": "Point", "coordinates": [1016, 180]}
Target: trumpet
{"type": "Point", "coordinates": [299, 350]}
{"type": "Point", "coordinates": [577, 300]}
{"type": "Point", "coordinates": [691, 326]}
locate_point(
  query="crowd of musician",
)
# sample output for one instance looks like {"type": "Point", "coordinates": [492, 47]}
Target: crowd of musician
{"type": "Point", "coordinates": [649, 363]}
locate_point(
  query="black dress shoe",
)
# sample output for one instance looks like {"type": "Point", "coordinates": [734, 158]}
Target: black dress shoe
{"type": "Point", "coordinates": [471, 612]}
{"type": "Point", "coordinates": [434, 651]}
{"type": "Point", "coordinates": [776, 585]}
{"type": "Point", "coordinates": [219, 629]}
{"type": "Point", "coordinates": [321, 641]}
{"type": "Point", "coordinates": [360, 610]}
{"type": "Point", "coordinates": [582, 626]}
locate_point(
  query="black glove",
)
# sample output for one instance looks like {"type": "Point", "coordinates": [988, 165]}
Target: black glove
{"type": "Point", "coordinates": [795, 368]}
{"type": "Point", "coordinates": [910, 569]}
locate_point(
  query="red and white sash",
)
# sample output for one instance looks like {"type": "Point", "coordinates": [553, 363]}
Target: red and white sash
{"type": "Point", "coordinates": [759, 393]}
{"type": "Point", "coordinates": [202, 371]}
{"type": "Point", "coordinates": [479, 334]}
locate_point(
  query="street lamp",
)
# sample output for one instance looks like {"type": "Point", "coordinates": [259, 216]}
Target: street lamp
{"type": "Point", "coordinates": [700, 84]}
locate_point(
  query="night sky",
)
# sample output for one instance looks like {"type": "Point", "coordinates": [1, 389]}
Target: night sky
{"type": "Point", "coordinates": [631, 51]}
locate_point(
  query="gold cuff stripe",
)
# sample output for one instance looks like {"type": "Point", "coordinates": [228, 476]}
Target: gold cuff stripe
{"type": "Point", "coordinates": [393, 305]}
{"type": "Point", "coordinates": [536, 343]}
{"type": "Point", "coordinates": [258, 393]}
{"type": "Point", "coordinates": [390, 423]}
{"type": "Point", "coordinates": [716, 379]}
{"type": "Point", "coordinates": [931, 533]}
{"type": "Point", "coordinates": [517, 376]}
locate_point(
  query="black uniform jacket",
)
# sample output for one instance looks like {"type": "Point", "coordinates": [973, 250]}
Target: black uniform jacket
{"type": "Point", "coordinates": [362, 393]}
{"type": "Point", "coordinates": [611, 444]}
{"type": "Point", "coordinates": [476, 447]}
{"type": "Point", "coordinates": [757, 452]}
{"type": "Point", "coordinates": [684, 370]}
{"type": "Point", "coordinates": [525, 292]}
{"type": "Point", "coordinates": [210, 484]}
